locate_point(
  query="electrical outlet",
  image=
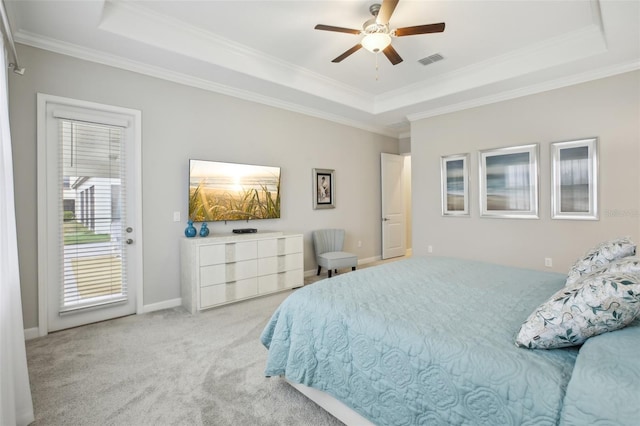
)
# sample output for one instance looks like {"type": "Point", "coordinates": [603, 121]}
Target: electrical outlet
{"type": "Point", "coordinates": [548, 262]}
{"type": "Point", "coordinates": [176, 216]}
{"type": "Point", "coordinates": [359, 243]}
{"type": "Point", "coordinates": [429, 249]}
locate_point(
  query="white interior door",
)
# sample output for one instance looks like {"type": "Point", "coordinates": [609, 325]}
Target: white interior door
{"type": "Point", "coordinates": [393, 206]}
{"type": "Point", "coordinates": [88, 212]}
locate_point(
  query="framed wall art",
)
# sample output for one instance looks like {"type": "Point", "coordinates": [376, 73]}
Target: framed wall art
{"type": "Point", "coordinates": [454, 172]}
{"type": "Point", "coordinates": [323, 189]}
{"type": "Point", "coordinates": [509, 182]}
{"type": "Point", "coordinates": [574, 179]}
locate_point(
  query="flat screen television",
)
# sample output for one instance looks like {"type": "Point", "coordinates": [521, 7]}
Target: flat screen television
{"type": "Point", "coordinates": [229, 191]}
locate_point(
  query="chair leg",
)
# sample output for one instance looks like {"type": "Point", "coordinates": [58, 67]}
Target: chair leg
{"type": "Point", "coordinates": [329, 273]}
{"type": "Point", "coordinates": [319, 267]}
{"type": "Point", "coordinates": [335, 270]}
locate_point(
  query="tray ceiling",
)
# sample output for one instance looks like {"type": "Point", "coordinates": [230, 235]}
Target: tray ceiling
{"type": "Point", "coordinates": [268, 51]}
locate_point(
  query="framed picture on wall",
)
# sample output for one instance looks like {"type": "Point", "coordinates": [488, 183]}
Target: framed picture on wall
{"type": "Point", "coordinates": [574, 179]}
{"type": "Point", "coordinates": [509, 182]}
{"type": "Point", "coordinates": [454, 171]}
{"type": "Point", "coordinates": [323, 189]}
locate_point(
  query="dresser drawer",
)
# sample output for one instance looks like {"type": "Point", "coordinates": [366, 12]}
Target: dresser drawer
{"type": "Point", "coordinates": [268, 283]}
{"type": "Point", "coordinates": [289, 262]}
{"type": "Point", "coordinates": [267, 265]}
{"type": "Point", "coordinates": [212, 295]}
{"type": "Point", "coordinates": [245, 250]}
{"type": "Point", "coordinates": [212, 255]}
{"type": "Point", "coordinates": [229, 292]}
{"type": "Point", "coordinates": [287, 245]}
{"type": "Point", "coordinates": [213, 274]}
{"type": "Point", "coordinates": [242, 289]}
{"type": "Point", "coordinates": [267, 248]}
{"type": "Point", "coordinates": [291, 279]}
{"type": "Point", "coordinates": [280, 281]}
{"type": "Point", "coordinates": [241, 270]}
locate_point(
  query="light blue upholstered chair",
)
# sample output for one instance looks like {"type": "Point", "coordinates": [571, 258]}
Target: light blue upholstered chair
{"type": "Point", "coordinates": [328, 243]}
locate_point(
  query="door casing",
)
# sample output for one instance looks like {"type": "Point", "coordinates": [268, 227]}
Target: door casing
{"type": "Point", "coordinates": [45, 186]}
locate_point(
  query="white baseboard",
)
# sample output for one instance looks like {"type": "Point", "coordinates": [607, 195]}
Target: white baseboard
{"type": "Point", "coordinates": [167, 304]}
{"type": "Point", "coordinates": [31, 333]}
{"type": "Point", "coordinates": [369, 260]}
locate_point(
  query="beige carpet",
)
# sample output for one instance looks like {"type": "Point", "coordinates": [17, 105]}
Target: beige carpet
{"type": "Point", "coordinates": [166, 368]}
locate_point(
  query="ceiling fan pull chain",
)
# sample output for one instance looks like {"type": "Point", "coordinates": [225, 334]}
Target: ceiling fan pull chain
{"type": "Point", "coordinates": [376, 66]}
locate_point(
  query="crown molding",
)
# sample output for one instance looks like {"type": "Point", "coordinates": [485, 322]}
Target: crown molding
{"type": "Point", "coordinates": [583, 42]}
{"type": "Point", "coordinates": [531, 90]}
{"type": "Point", "coordinates": [573, 46]}
{"type": "Point", "coordinates": [144, 25]}
{"type": "Point", "coordinates": [115, 61]}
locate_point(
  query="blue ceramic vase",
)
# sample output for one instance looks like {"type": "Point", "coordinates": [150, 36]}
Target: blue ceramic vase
{"type": "Point", "coordinates": [204, 230]}
{"type": "Point", "coordinates": [190, 231]}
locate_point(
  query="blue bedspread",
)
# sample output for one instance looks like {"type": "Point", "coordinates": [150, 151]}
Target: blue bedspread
{"type": "Point", "coordinates": [423, 341]}
{"type": "Point", "coordinates": [605, 385]}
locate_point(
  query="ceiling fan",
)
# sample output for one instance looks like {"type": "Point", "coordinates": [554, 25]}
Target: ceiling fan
{"type": "Point", "coordinates": [377, 34]}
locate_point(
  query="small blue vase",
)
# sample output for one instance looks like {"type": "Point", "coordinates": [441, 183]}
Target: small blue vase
{"type": "Point", "coordinates": [190, 231]}
{"type": "Point", "coordinates": [204, 230]}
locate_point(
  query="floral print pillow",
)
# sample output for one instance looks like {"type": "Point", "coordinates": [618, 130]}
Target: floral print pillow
{"type": "Point", "coordinates": [600, 256]}
{"type": "Point", "coordinates": [600, 303]}
{"type": "Point", "coordinates": [629, 265]}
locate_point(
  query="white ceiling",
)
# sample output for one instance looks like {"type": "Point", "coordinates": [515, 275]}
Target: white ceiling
{"type": "Point", "coordinates": [268, 51]}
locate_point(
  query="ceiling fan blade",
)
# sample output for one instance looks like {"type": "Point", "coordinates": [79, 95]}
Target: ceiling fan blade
{"type": "Point", "coordinates": [347, 53]}
{"type": "Point", "coordinates": [392, 55]}
{"type": "Point", "coordinates": [420, 29]}
{"type": "Point", "coordinates": [386, 10]}
{"type": "Point", "coordinates": [336, 29]}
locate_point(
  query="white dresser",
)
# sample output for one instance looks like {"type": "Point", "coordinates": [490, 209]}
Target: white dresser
{"type": "Point", "coordinates": [222, 269]}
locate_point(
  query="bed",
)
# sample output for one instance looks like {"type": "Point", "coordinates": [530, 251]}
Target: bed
{"type": "Point", "coordinates": [431, 341]}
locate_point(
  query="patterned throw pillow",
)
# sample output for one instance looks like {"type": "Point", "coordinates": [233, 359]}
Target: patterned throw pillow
{"type": "Point", "coordinates": [601, 255]}
{"type": "Point", "coordinates": [601, 303]}
{"type": "Point", "coordinates": [626, 265]}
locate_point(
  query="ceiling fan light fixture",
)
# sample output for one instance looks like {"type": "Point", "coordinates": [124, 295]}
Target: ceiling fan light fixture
{"type": "Point", "coordinates": [376, 42]}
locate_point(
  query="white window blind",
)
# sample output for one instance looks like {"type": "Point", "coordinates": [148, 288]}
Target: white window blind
{"type": "Point", "coordinates": [92, 194]}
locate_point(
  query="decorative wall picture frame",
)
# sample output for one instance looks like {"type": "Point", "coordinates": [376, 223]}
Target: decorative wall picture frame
{"type": "Point", "coordinates": [509, 182]}
{"type": "Point", "coordinates": [574, 179]}
{"type": "Point", "coordinates": [324, 190]}
{"type": "Point", "coordinates": [454, 176]}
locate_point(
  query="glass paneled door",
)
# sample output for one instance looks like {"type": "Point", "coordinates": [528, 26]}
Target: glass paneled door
{"type": "Point", "coordinates": [91, 215]}
{"type": "Point", "coordinates": [92, 202]}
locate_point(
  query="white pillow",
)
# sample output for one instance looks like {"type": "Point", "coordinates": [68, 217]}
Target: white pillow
{"type": "Point", "coordinates": [626, 265]}
{"type": "Point", "coordinates": [601, 255]}
{"type": "Point", "coordinates": [600, 303]}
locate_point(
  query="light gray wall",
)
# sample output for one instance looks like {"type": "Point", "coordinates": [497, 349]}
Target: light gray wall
{"type": "Point", "coordinates": [404, 145]}
{"type": "Point", "coordinates": [607, 108]}
{"type": "Point", "coordinates": [178, 123]}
